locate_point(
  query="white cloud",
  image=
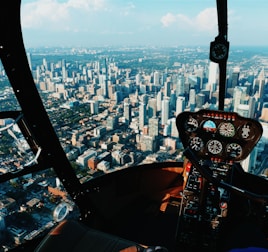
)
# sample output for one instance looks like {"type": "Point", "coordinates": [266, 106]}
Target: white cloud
{"type": "Point", "coordinates": [168, 19]}
{"type": "Point", "coordinates": [206, 20]}
{"type": "Point", "coordinates": [86, 4]}
{"type": "Point", "coordinates": [45, 13]}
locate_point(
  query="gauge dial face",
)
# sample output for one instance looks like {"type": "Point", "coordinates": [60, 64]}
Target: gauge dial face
{"type": "Point", "coordinates": [191, 124]}
{"type": "Point", "coordinates": [214, 146]}
{"type": "Point", "coordinates": [227, 129]}
{"type": "Point", "coordinates": [219, 51]}
{"type": "Point", "coordinates": [234, 150]}
{"type": "Point", "coordinates": [196, 144]}
{"type": "Point", "coordinates": [209, 126]}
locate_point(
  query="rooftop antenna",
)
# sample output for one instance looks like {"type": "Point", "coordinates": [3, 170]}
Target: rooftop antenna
{"type": "Point", "coordinates": [219, 49]}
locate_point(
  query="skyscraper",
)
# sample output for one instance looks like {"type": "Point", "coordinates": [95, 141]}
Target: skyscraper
{"type": "Point", "coordinates": [142, 115]}
{"type": "Point", "coordinates": [180, 105]}
{"type": "Point", "coordinates": [153, 126]}
{"type": "Point", "coordinates": [180, 85]}
{"type": "Point", "coordinates": [159, 100]}
{"type": "Point", "coordinates": [192, 100]}
{"type": "Point", "coordinates": [152, 106]}
{"type": "Point", "coordinates": [156, 78]}
{"type": "Point", "coordinates": [127, 111]}
{"type": "Point", "coordinates": [165, 111]}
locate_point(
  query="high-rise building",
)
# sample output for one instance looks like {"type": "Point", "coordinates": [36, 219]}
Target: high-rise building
{"type": "Point", "coordinates": [192, 99]}
{"type": "Point", "coordinates": [159, 100]}
{"type": "Point", "coordinates": [167, 88]}
{"type": "Point", "coordinates": [213, 74]}
{"type": "Point", "coordinates": [127, 111]}
{"type": "Point", "coordinates": [112, 122]}
{"type": "Point", "coordinates": [174, 131]}
{"type": "Point", "coordinates": [165, 111]}
{"type": "Point", "coordinates": [94, 107]}
{"type": "Point", "coordinates": [180, 105]}
{"type": "Point", "coordinates": [180, 85]}
{"type": "Point", "coordinates": [200, 100]}
{"type": "Point", "coordinates": [153, 126]}
{"type": "Point", "coordinates": [152, 107]}
{"type": "Point", "coordinates": [252, 107]}
{"type": "Point", "coordinates": [235, 77]}
{"type": "Point", "coordinates": [156, 78]}
{"type": "Point", "coordinates": [142, 116]}
{"type": "Point", "coordinates": [239, 95]}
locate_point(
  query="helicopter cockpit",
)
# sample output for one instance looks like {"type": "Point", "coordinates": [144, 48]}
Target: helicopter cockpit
{"type": "Point", "coordinates": [201, 200]}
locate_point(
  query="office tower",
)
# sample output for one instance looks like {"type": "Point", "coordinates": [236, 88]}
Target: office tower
{"type": "Point", "coordinates": [239, 97]}
{"type": "Point", "coordinates": [142, 115]}
{"type": "Point", "coordinates": [200, 77]}
{"type": "Point", "coordinates": [64, 73]}
{"type": "Point", "coordinates": [153, 126]}
{"type": "Point", "coordinates": [138, 79]}
{"type": "Point", "coordinates": [180, 105]}
{"type": "Point", "coordinates": [180, 85]}
{"type": "Point", "coordinates": [252, 107]}
{"type": "Point", "coordinates": [213, 73]}
{"type": "Point", "coordinates": [45, 64]}
{"type": "Point", "coordinates": [148, 143]}
{"type": "Point", "coordinates": [156, 78]}
{"type": "Point", "coordinates": [94, 107]}
{"type": "Point", "coordinates": [159, 100]}
{"type": "Point", "coordinates": [144, 99]}
{"type": "Point", "coordinates": [152, 107]}
{"type": "Point", "coordinates": [192, 101]}
{"type": "Point", "coordinates": [259, 83]}
{"type": "Point", "coordinates": [174, 130]}
{"type": "Point", "coordinates": [112, 122]}
{"type": "Point", "coordinates": [200, 100]}
{"type": "Point", "coordinates": [173, 99]}
{"type": "Point", "coordinates": [237, 93]}
{"type": "Point", "coordinates": [167, 88]}
{"type": "Point", "coordinates": [234, 79]}
{"type": "Point", "coordinates": [249, 88]}
{"type": "Point", "coordinates": [127, 111]}
{"type": "Point", "coordinates": [167, 130]}
{"type": "Point", "coordinates": [103, 84]}
{"type": "Point", "coordinates": [165, 111]}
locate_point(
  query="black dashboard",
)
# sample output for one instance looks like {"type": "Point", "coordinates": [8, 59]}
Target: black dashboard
{"type": "Point", "coordinates": [218, 135]}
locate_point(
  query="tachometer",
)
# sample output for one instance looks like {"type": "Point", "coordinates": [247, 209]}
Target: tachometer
{"type": "Point", "coordinates": [196, 144]}
{"type": "Point", "coordinates": [234, 150]}
{"type": "Point", "coordinates": [214, 146]}
{"type": "Point", "coordinates": [227, 129]}
{"type": "Point", "coordinates": [191, 124]}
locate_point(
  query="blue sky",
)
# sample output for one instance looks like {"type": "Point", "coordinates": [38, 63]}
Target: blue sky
{"type": "Point", "coordinates": [140, 22]}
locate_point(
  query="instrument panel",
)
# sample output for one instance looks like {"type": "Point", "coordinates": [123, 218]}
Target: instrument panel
{"type": "Point", "coordinates": [218, 135]}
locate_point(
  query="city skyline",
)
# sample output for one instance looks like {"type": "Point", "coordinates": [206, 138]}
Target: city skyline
{"type": "Point", "coordinates": [118, 22]}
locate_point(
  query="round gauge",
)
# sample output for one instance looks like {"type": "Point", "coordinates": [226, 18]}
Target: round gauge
{"type": "Point", "coordinates": [234, 150]}
{"type": "Point", "coordinates": [246, 131]}
{"type": "Point", "coordinates": [227, 129]}
{"type": "Point", "coordinates": [209, 126]}
{"type": "Point", "coordinates": [219, 50]}
{"type": "Point", "coordinates": [196, 144]}
{"type": "Point", "coordinates": [214, 146]}
{"type": "Point", "coordinates": [191, 124]}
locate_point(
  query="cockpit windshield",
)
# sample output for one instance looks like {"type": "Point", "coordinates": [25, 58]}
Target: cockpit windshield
{"type": "Point", "coordinates": [113, 76]}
